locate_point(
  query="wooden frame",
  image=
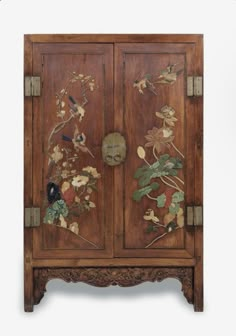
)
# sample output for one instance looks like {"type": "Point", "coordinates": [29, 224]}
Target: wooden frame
{"type": "Point", "coordinates": [189, 271]}
{"type": "Point", "coordinates": [120, 51]}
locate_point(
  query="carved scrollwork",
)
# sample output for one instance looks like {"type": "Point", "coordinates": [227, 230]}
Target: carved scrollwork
{"type": "Point", "coordinates": [112, 276]}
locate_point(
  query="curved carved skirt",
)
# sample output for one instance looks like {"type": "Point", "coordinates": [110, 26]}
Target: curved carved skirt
{"type": "Point", "coordinates": [107, 276]}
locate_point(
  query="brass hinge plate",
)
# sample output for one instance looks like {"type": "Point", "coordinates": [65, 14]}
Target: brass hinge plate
{"type": "Point", "coordinates": [195, 215]}
{"type": "Point", "coordinates": [32, 86]}
{"type": "Point", "coordinates": [32, 217]}
{"type": "Point", "coordinates": [194, 86]}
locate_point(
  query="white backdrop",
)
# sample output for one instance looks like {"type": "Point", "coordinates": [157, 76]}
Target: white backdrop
{"type": "Point", "coordinates": [149, 308]}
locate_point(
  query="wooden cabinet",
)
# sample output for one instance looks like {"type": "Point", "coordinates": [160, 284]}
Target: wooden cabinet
{"type": "Point", "coordinates": [113, 161]}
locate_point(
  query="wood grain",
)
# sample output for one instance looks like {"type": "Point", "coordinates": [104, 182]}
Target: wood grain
{"type": "Point", "coordinates": [28, 270]}
{"type": "Point", "coordinates": [163, 262]}
{"type": "Point", "coordinates": [115, 38]}
{"type": "Point", "coordinates": [135, 115]}
{"type": "Point", "coordinates": [96, 60]}
{"type": "Point", "coordinates": [28, 128]}
{"type": "Point", "coordinates": [198, 270]}
{"type": "Point", "coordinates": [120, 259]}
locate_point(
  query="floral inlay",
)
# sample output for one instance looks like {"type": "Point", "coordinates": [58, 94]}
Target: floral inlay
{"type": "Point", "coordinates": [70, 186]}
{"type": "Point", "coordinates": [163, 169]}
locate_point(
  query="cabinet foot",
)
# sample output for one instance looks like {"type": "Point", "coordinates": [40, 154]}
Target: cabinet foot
{"type": "Point", "coordinates": [29, 308]}
{"type": "Point", "coordinates": [198, 308]}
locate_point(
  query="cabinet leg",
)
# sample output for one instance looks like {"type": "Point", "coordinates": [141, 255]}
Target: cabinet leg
{"type": "Point", "coordinates": [198, 288]}
{"type": "Point", "coordinates": [28, 289]}
{"type": "Point", "coordinates": [28, 272]}
{"type": "Point", "coordinates": [198, 273]}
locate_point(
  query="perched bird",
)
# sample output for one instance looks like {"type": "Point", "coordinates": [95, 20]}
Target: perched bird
{"type": "Point", "coordinates": [168, 75]}
{"type": "Point", "coordinates": [144, 83]}
{"type": "Point", "coordinates": [77, 109]}
{"type": "Point", "coordinates": [78, 141]}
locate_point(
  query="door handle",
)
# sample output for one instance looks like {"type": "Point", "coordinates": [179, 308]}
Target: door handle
{"type": "Point", "coordinates": [114, 149]}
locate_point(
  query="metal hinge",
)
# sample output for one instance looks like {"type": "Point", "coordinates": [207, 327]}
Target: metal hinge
{"type": "Point", "coordinates": [32, 86]}
{"type": "Point", "coordinates": [194, 215]}
{"type": "Point", "coordinates": [32, 217]}
{"type": "Point", "coordinates": [194, 86]}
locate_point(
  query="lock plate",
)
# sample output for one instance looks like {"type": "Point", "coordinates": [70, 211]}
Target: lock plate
{"type": "Point", "coordinates": [114, 149]}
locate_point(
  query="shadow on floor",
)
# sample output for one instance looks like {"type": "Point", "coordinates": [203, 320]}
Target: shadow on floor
{"type": "Point", "coordinates": [153, 290]}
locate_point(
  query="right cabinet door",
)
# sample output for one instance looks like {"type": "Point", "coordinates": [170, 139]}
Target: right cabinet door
{"type": "Point", "coordinates": [157, 180]}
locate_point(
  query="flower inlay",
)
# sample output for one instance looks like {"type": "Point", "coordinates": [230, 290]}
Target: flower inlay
{"type": "Point", "coordinates": [164, 169]}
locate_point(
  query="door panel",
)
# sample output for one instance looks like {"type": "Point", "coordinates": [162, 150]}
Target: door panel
{"type": "Point", "coordinates": [71, 184]}
{"type": "Point", "coordinates": [80, 197]}
{"type": "Point", "coordinates": [154, 185]}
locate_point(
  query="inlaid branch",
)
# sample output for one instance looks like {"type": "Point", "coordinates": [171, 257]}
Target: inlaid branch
{"type": "Point", "coordinates": [157, 238]}
{"type": "Point", "coordinates": [177, 150]}
{"type": "Point", "coordinates": [58, 128]}
{"type": "Point", "coordinates": [76, 109]}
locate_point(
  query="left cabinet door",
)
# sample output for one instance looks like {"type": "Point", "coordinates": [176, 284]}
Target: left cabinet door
{"type": "Point", "coordinates": [71, 184]}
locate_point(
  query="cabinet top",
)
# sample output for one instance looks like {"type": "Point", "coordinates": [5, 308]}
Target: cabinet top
{"type": "Point", "coordinates": [114, 38]}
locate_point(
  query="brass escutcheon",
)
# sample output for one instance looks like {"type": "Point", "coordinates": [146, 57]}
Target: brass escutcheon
{"type": "Point", "coordinates": [113, 149]}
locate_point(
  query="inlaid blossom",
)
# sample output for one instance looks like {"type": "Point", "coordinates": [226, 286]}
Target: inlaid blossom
{"type": "Point", "coordinates": [80, 180]}
{"type": "Point", "coordinates": [63, 221]}
{"type": "Point", "coordinates": [91, 86]}
{"type": "Point", "coordinates": [65, 186]}
{"type": "Point", "coordinates": [65, 173]}
{"type": "Point", "coordinates": [74, 227]}
{"type": "Point", "coordinates": [150, 216]}
{"type": "Point", "coordinates": [92, 171]}
{"type": "Point", "coordinates": [159, 138]}
{"type": "Point", "coordinates": [90, 203]}
{"type": "Point", "coordinates": [57, 155]}
{"type": "Point", "coordinates": [167, 113]}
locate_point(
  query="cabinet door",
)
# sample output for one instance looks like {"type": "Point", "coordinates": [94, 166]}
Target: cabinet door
{"type": "Point", "coordinates": [71, 185]}
{"type": "Point", "coordinates": [157, 180]}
